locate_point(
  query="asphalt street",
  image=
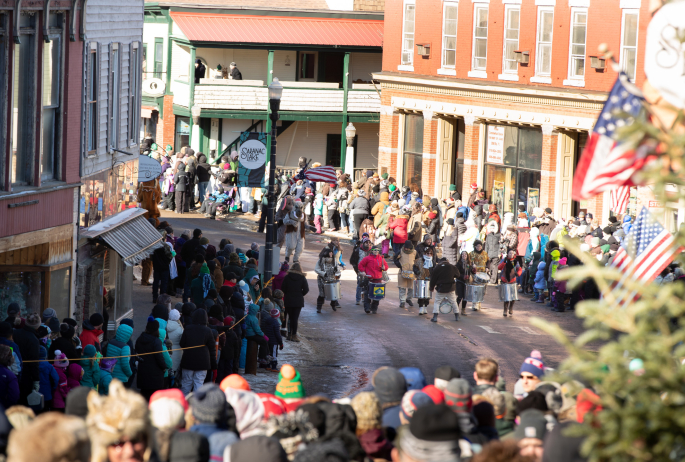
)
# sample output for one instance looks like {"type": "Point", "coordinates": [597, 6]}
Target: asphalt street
{"type": "Point", "coordinates": [340, 350]}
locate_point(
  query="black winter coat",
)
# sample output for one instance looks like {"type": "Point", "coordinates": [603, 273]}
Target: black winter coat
{"type": "Point", "coordinates": [236, 269]}
{"type": "Point", "coordinates": [28, 344]}
{"type": "Point", "coordinates": [460, 225]}
{"type": "Point", "coordinates": [204, 170]}
{"type": "Point", "coordinates": [150, 367]}
{"type": "Point", "coordinates": [271, 329]}
{"type": "Point", "coordinates": [189, 250]}
{"type": "Point", "coordinates": [444, 278]}
{"type": "Point", "coordinates": [181, 181]}
{"type": "Point", "coordinates": [492, 244]}
{"type": "Point", "coordinates": [197, 333]}
{"type": "Point", "coordinates": [66, 346]}
{"type": "Point", "coordinates": [450, 247]}
{"type": "Point", "coordinates": [294, 289]}
{"type": "Point", "coordinates": [235, 74]}
{"type": "Point", "coordinates": [161, 258]}
{"type": "Point", "coordinates": [434, 230]}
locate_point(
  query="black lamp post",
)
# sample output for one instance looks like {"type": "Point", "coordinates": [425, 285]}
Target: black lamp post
{"type": "Point", "coordinates": [275, 92]}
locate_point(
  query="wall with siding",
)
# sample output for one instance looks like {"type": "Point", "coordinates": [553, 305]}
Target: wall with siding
{"type": "Point", "coordinates": [283, 72]}
{"type": "Point", "coordinates": [363, 64]}
{"type": "Point", "coordinates": [180, 61]}
{"type": "Point", "coordinates": [251, 63]}
{"type": "Point", "coordinates": [53, 209]}
{"type": "Point", "coordinates": [151, 31]}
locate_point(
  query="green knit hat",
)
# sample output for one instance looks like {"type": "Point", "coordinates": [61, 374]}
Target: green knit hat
{"type": "Point", "coordinates": [453, 187]}
{"type": "Point", "coordinates": [289, 384]}
{"type": "Point", "coordinates": [204, 269]}
{"type": "Point", "coordinates": [384, 176]}
{"type": "Point", "coordinates": [392, 187]}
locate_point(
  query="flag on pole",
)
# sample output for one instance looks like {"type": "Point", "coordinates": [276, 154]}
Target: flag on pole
{"type": "Point", "coordinates": [607, 162]}
{"type": "Point", "coordinates": [324, 173]}
{"type": "Point", "coordinates": [646, 250]}
{"type": "Point", "coordinates": [619, 199]}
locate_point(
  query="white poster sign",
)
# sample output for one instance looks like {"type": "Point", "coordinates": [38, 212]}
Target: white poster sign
{"type": "Point", "coordinates": [148, 168]}
{"type": "Point", "coordinates": [495, 149]}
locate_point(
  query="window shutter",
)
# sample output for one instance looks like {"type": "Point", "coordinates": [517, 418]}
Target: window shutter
{"type": "Point", "coordinates": [110, 95]}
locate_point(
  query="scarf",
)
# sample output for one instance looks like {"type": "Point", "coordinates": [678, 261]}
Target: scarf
{"type": "Point", "coordinates": [206, 279]}
{"type": "Point", "coordinates": [427, 261]}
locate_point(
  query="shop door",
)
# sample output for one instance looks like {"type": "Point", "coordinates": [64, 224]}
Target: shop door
{"type": "Point", "coordinates": [446, 159]}
{"type": "Point", "coordinates": [567, 161]}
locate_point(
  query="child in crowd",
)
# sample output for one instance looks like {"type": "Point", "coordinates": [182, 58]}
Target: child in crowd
{"type": "Point", "coordinates": [60, 395]}
{"type": "Point", "coordinates": [49, 379]}
{"type": "Point", "coordinates": [540, 284]}
{"type": "Point", "coordinates": [318, 212]}
{"type": "Point", "coordinates": [106, 367]}
{"type": "Point", "coordinates": [91, 367]}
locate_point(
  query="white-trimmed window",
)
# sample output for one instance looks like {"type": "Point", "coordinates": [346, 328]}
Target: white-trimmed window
{"type": "Point", "coordinates": [512, 15]}
{"type": "Point", "coordinates": [449, 34]}
{"type": "Point", "coordinates": [114, 87]}
{"type": "Point", "coordinates": [92, 94]}
{"type": "Point", "coordinates": [408, 33]}
{"type": "Point", "coordinates": [480, 37]}
{"type": "Point", "coordinates": [543, 54]}
{"type": "Point", "coordinates": [133, 86]}
{"type": "Point", "coordinates": [576, 66]}
{"type": "Point", "coordinates": [629, 25]}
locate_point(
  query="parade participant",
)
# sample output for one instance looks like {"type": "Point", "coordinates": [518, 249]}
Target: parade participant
{"type": "Point", "coordinates": [372, 267]}
{"type": "Point", "coordinates": [479, 260]}
{"type": "Point", "coordinates": [327, 269]}
{"type": "Point", "coordinates": [473, 195]}
{"type": "Point", "coordinates": [399, 226]}
{"type": "Point", "coordinates": [443, 281]}
{"type": "Point", "coordinates": [361, 251]}
{"type": "Point", "coordinates": [450, 242]}
{"type": "Point", "coordinates": [294, 232]}
{"type": "Point", "coordinates": [423, 268]}
{"type": "Point", "coordinates": [464, 268]}
{"type": "Point", "coordinates": [492, 248]}
{"type": "Point", "coordinates": [405, 279]}
{"type": "Point", "coordinates": [510, 269]}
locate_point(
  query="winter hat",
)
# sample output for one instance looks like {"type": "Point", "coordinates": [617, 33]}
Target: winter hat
{"type": "Point", "coordinates": [249, 411]}
{"type": "Point", "coordinates": [76, 403]}
{"type": "Point", "coordinates": [60, 360]}
{"type": "Point", "coordinates": [368, 410]}
{"type": "Point", "coordinates": [435, 394]}
{"type": "Point", "coordinates": [484, 412]}
{"type": "Point", "coordinates": [548, 210]}
{"type": "Point", "coordinates": [413, 400]}
{"type": "Point", "coordinates": [289, 383]}
{"type": "Point", "coordinates": [166, 413]}
{"type": "Point", "coordinates": [66, 331]}
{"type": "Point", "coordinates": [233, 258]}
{"type": "Point", "coordinates": [53, 324]}
{"type": "Point", "coordinates": [533, 364]}
{"type": "Point", "coordinates": [474, 185]}
{"type": "Point", "coordinates": [453, 187]}
{"type": "Point", "coordinates": [174, 394]}
{"type": "Point", "coordinates": [594, 242]}
{"type": "Point", "coordinates": [278, 294]}
{"type": "Point", "coordinates": [152, 324]}
{"type": "Point", "coordinates": [534, 400]}
{"type": "Point", "coordinates": [235, 382]}
{"type": "Point", "coordinates": [584, 248]}
{"type": "Point", "coordinates": [275, 313]}
{"type": "Point", "coordinates": [533, 425]}
{"type": "Point", "coordinates": [174, 315]}
{"type": "Point", "coordinates": [361, 193]}
{"type": "Point", "coordinates": [458, 395]}
{"type": "Point", "coordinates": [49, 437]}
{"type": "Point", "coordinates": [272, 405]}
{"type": "Point", "coordinates": [443, 375]}
{"type": "Point", "coordinates": [408, 245]}
{"type": "Point", "coordinates": [33, 321]}
{"type": "Point", "coordinates": [208, 404]}
{"type": "Point", "coordinates": [107, 364]}
{"type": "Point", "coordinates": [96, 319]}
{"type": "Point", "coordinates": [49, 313]}
{"type": "Point", "coordinates": [204, 241]}
{"type": "Point", "coordinates": [389, 385]}
{"type": "Point", "coordinates": [127, 322]}
{"type": "Point", "coordinates": [414, 378]}
{"type": "Point", "coordinates": [161, 312]}
{"type": "Point", "coordinates": [433, 435]}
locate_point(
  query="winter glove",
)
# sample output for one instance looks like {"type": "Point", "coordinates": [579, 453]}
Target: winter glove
{"type": "Point", "coordinates": [266, 338]}
{"type": "Point", "coordinates": [280, 347]}
{"type": "Point", "coordinates": [362, 274]}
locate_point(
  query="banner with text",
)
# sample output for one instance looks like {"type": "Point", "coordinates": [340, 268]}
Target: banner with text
{"type": "Point", "coordinates": [252, 160]}
{"type": "Point", "coordinates": [495, 150]}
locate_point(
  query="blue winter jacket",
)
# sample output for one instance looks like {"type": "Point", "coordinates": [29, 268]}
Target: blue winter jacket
{"type": "Point", "coordinates": [252, 323]}
{"type": "Point", "coordinates": [49, 379]}
{"type": "Point", "coordinates": [272, 329]}
{"type": "Point", "coordinates": [105, 380]}
{"type": "Point", "coordinates": [117, 347]}
{"type": "Point", "coordinates": [540, 281]}
{"type": "Point", "coordinates": [219, 439]}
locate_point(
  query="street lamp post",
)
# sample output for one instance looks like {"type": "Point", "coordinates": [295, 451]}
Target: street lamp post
{"type": "Point", "coordinates": [275, 92]}
{"type": "Point", "coordinates": [350, 133]}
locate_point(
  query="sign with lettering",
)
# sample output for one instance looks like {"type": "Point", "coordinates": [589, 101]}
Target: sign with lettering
{"type": "Point", "coordinates": [252, 160]}
{"type": "Point", "coordinates": [495, 144]}
{"type": "Point", "coordinates": [148, 168]}
{"type": "Point", "coordinates": [655, 205]}
{"type": "Point", "coordinates": [665, 53]}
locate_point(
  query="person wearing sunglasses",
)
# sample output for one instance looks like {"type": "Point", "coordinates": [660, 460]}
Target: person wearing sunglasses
{"type": "Point", "coordinates": [531, 372]}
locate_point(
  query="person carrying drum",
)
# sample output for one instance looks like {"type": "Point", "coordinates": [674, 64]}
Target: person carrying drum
{"type": "Point", "coordinates": [405, 280]}
{"type": "Point", "coordinates": [479, 260]}
{"type": "Point", "coordinates": [443, 281]}
{"type": "Point", "coordinates": [423, 268]}
{"type": "Point", "coordinates": [464, 268]}
{"type": "Point", "coordinates": [327, 270]}
{"type": "Point", "coordinates": [510, 269]}
{"type": "Point", "coordinates": [372, 268]}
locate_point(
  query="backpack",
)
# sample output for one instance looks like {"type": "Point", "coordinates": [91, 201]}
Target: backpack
{"type": "Point", "coordinates": [354, 258]}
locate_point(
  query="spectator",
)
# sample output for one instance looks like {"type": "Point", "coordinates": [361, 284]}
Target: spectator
{"type": "Point", "coordinates": [197, 361]}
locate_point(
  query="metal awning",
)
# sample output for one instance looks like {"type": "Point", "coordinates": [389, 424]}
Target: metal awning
{"type": "Point", "coordinates": [129, 234]}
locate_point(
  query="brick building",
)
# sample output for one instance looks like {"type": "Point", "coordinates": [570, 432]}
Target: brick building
{"type": "Point", "coordinates": [501, 93]}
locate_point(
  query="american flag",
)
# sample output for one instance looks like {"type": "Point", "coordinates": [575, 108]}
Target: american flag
{"type": "Point", "coordinates": [607, 162]}
{"type": "Point", "coordinates": [619, 199]}
{"type": "Point", "coordinates": [324, 173]}
{"type": "Point", "coordinates": [646, 250]}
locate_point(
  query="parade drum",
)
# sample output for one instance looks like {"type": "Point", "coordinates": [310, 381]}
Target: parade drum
{"type": "Point", "coordinates": [475, 293]}
{"type": "Point", "coordinates": [481, 278]}
{"type": "Point", "coordinates": [376, 290]}
{"type": "Point", "coordinates": [508, 293]}
{"type": "Point", "coordinates": [445, 307]}
{"type": "Point", "coordinates": [331, 291]}
{"type": "Point", "coordinates": [421, 289]}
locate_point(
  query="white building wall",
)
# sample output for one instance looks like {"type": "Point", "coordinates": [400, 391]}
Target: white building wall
{"type": "Point", "coordinates": [251, 63]}
{"type": "Point", "coordinates": [153, 31]}
{"type": "Point", "coordinates": [362, 65]}
{"type": "Point", "coordinates": [180, 62]}
{"type": "Point", "coordinates": [284, 72]}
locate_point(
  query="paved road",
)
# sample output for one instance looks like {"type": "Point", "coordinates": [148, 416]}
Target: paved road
{"type": "Point", "coordinates": [341, 350]}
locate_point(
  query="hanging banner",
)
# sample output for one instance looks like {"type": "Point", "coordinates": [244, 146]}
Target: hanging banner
{"type": "Point", "coordinates": [495, 150]}
{"type": "Point", "coordinates": [252, 160]}
{"type": "Point", "coordinates": [148, 168]}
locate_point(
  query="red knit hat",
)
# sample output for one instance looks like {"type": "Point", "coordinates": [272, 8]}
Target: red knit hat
{"type": "Point", "coordinates": [273, 405]}
{"type": "Point", "coordinates": [174, 394]}
{"type": "Point", "coordinates": [435, 393]}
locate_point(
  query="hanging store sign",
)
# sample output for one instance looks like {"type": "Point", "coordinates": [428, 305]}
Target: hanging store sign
{"type": "Point", "coordinates": [495, 149]}
{"type": "Point", "coordinates": [148, 168]}
{"type": "Point", "coordinates": [252, 160]}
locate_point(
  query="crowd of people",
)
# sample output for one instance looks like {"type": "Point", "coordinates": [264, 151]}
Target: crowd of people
{"type": "Point", "coordinates": [401, 418]}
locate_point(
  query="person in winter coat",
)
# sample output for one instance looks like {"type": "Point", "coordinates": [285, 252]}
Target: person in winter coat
{"type": "Point", "coordinates": [92, 329]}
{"type": "Point", "coordinates": [201, 285]}
{"type": "Point", "coordinates": [197, 361]}
{"type": "Point", "coordinates": [405, 279]}
{"type": "Point", "coordinates": [460, 223]}
{"type": "Point", "coordinates": [449, 213]}
{"type": "Point", "coordinates": [49, 380]}
{"type": "Point", "coordinates": [234, 267]}
{"type": "Point", "coordinates": [254, 333]}
{"type": "Point", "coordinates": [433, 227]}
{"type": "Point", "coordinates": [182, 188]}
{"type": "Point", "coordinates": [64, 343]}
{"type": "Point", "coordinates": [204, 173]}
{"type": "Point", "coordinates": [106, 367]}
{"type": "Point", "coordinates": [450, 242]}
{"type": "Point", "coordinates": [294, 288]}
{"type": "Point", "coordinates": [443, 281]}
{"type": "Point", "coordinates": [555, 255]}
{"type": "Point", "coordinates": [91, 368]}
{"type": "Point", "coordinates": [272, 329]}
{"type": "Point", "coordinates": [372, 267]}
{"type": "Point", "coordinates": [174, 330]}
{"type": "Point", "coordinates": [229, 351]}
{"type": "Point", "coordinates": [318, 213]}
{"type": "Point", "coordinates": [74, 375]}
{"type": "Point", "coordinates": [415, 225]}
{"type": "Point", "coordinates": [294, 223]}
{"type": "Point", "coordinates": [118, 346]}
{"type": "Point", "coordinates": [399, 226]}
{"type": "Point", "coordinates": [25, 337]}
{"type": "Point", "coordinates": [479, 261]}
{"type": "Point", "coordinates": [469, 238]}
{"type": "Point", "coordinates": [423, 269]}
{"type": "Point", "coordinates": [210, 412]}
{"type": "Point", "coordinates": [540, 284]}
{"type": "Point", "coordinates": [464, 267]}
{"type": "Point", "coordinates": [509, 240]}
{"type": "Point", "coordinates": [59, 397]}
{"type": "Point", "coordinates": [327, 270]}
{"type": "Point", "coordinates": [9, 385]}
{"type": "Point", "coordinates": [492, 248]}
{"type": "Point", "coordinates": [510, 269]}
{"type": "Point", "coordinates": [151, 367]}
{"type": "Point", "coordinates": [360, 208]}
{"type": "Point", "coordinates": [161, 258]}
{"type": "Point", "coordinates": [493, 215]}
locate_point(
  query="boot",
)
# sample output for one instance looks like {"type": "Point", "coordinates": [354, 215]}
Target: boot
{"type": "Point", "coordinates": [435, 317]}
{"type": "Point", "coordinates": [402, 305]}
{"type": "Point", "coordinates": [474, 307]}
{"type": "Point", "coordinates": [456, 316]}
{"type": "Point", "coordinates": [289, 338]}
{"type": "Point", "coordinates": [318, 308]}
{"type": "Point", "coordinates": [334, 306]}
{"type": "Point", "coordinates": [409, 302]}
{"type": "Point", "coordinates": [345, 230]}
{"type": "Point", "coordinates": [294, 338]}
{"type": "Point", "coordinates": [505, 310]}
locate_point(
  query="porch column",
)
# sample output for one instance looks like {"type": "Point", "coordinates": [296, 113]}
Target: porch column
{"type": "Point", "coordinates": [550, 139]}
{"type": "Point", "coordinates": [269, 79]}
{"type": "Point", "coordinates": [343, 139]}
{"type": "Point", "coordinates": [389, 141]}
{"type": "Point", "coordinates": [191, 100]}
{"type": "Point", "coordinates": [430, 149]}
{"type": "Point", "coordinates": [471, 146]}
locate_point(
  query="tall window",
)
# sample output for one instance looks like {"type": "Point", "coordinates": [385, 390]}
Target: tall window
{"type": "Point", "coordinates": [307, 66]}
{"type": "Point", "coordinates": [159, 57]}
{"type": "Point", "coordinates": [578, 36]}
{"type": "Point", "coordinates": [512, 15]}
{"type": "Point", "coordinates": [480, 37]}
{"type": "Point", "coordinates": [543, 61]}
{"type": "Point", "coordinates": [408, 33]}
{"type": "Point", "coordinates": [92, 129]}
{"type": "Point", "coordinates": [114, 94]}
{"type": "Point", "coordinates": [23, 103]}
{"type": "Point", "coordinates": [629, 42]}
{"type": "Point", "coordinates": [449, 34]}
{"type": "Point", "coordinates": [3, 94]}
{"type": "Point", "coordinates": [133, 85]}
{"type": "Point", "coordinates": [413, 149]}
{"type": "Point", "coordinates": [52, 64]}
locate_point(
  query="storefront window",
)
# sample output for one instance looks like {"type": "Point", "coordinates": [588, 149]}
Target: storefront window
{"type": "Point", "coordinates": [24, 288]}
{"type": "Point", "coordinates": [60, 282]}
{"type": "Point", "coordinates": [413, 149]}
{"type": "Point", "coordinates": [182, 133]}
{"type": "Point", "coordinates": [459, 168]}
{"type": "Point", "coordinates": [513, 160]}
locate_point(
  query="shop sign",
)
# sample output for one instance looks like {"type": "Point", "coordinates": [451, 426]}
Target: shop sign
{"type": "Point", "coordinates": [656, 205]}
{"type": "Point", "coordinates": [252, 159]}
{"type": "Point", "coordinates": [495, 150]}
{"type": "Point", "coordinates": [148, 168]}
